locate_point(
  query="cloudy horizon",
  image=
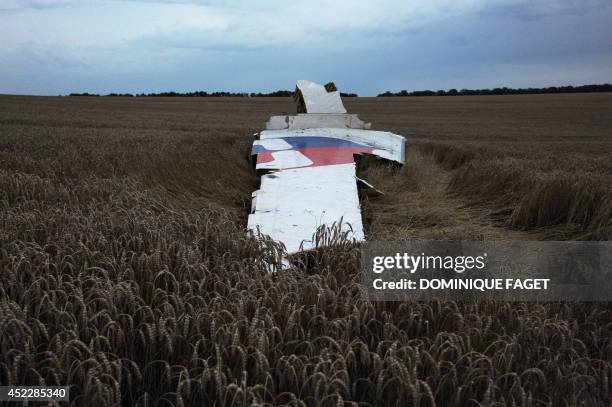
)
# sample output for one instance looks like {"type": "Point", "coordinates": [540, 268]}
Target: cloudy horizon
{"type": "Point", "coordinates": [52, 47]}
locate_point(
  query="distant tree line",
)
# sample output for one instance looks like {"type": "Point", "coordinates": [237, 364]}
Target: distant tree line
{"type": "Point", "coordinates": [452, 92]}
{"type": "Point", "coordinates": [503, 91]}
{"type": "Point", "coordinates": [84, 94]}
{"type": "Point", "coordinates": [278, 93]}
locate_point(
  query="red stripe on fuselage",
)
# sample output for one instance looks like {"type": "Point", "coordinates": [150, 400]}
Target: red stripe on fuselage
{"type": "Point", "coordinates": [333, 155]}
{"type": "Point", "coordinates": [321, 156]}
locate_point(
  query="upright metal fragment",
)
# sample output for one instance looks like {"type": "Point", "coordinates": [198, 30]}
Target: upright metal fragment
{"type": "Point", "coordinates": [314, 98]}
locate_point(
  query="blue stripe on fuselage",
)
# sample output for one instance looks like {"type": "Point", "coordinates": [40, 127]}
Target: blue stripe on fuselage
{"type": "Point", "coordinates": [310, 142]}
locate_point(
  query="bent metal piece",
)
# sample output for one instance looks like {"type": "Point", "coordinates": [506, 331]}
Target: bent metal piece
{"type": "Point", "coordinates": [316, 120]}
{"type": "Point", "coordinates": [311, 179]}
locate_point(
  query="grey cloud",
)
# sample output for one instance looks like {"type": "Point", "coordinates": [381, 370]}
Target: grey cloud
{"type": "Point", "coordinates": [49, 58]}
{"type": "Point", "coordinates": [16, 5]}
{"type": "Point", "coordinates": [527, 10]}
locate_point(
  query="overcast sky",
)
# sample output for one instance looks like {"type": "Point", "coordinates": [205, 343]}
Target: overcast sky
{"type": "Point", "coordinates": [61, 46]}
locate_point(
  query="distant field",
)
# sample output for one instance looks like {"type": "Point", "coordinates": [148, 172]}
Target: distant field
{"type": "Point", "coordinates": [126, 271]}
{"type": "Point", "coordinates": [534, 161]}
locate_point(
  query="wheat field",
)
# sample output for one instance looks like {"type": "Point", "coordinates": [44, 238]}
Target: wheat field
{"type": "Point", "coordinates": [126, 271]}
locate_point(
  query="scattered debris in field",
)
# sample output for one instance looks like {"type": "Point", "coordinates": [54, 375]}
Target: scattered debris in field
{"type": "Point", "coordinates": [310, 168]}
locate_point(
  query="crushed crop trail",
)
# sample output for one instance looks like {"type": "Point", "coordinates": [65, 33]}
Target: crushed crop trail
{"type": "Point", "coordinates": [418, 204]}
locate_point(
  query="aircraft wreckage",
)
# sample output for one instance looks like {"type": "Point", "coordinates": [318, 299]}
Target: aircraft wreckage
{"type": "Point", "coordinates": [310, 175]}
